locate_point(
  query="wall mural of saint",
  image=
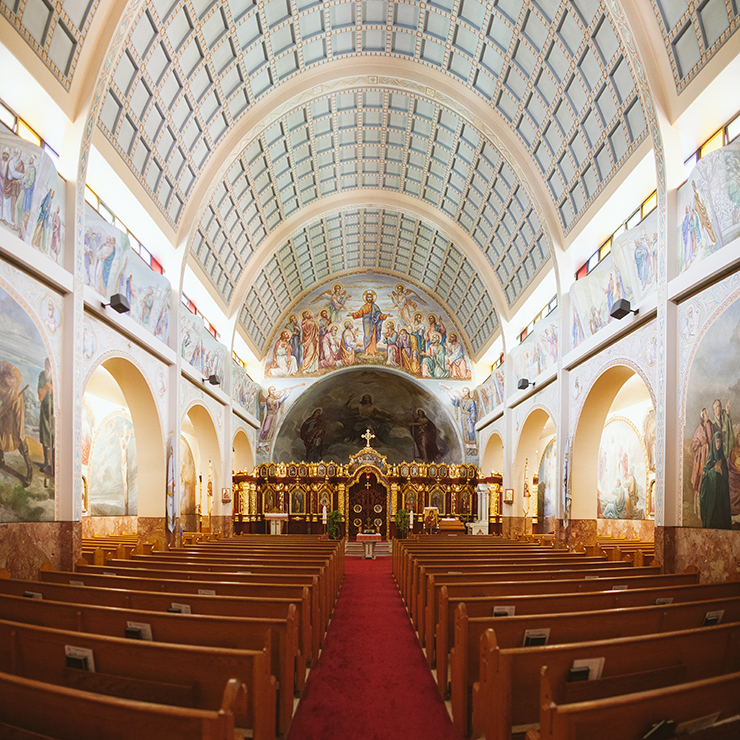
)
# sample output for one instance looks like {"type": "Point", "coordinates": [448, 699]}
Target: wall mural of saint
{"type": "Point", "coordinates": [27, 446]}
{"type": "Point", "coordinates": [368, 322]}
{"type": "Point", "coordinates": [711, 441]}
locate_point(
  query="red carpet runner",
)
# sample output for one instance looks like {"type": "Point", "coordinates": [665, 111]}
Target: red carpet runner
{"type": "Point", "coordinates": [371, 681]}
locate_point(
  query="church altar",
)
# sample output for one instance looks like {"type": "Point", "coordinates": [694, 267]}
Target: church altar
{"type": "Point", "coordinates": [367, 490]}
{"type": "Point", "coordinates": [368, 542]}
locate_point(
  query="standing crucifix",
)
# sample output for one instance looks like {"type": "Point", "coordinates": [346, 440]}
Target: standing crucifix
{"type": "Point", "coordinates": [367, 437]}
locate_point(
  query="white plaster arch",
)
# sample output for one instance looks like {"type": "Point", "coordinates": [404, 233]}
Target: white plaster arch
{"type": "Point", "coordinates": [242, 452]}
{"type": "Point", "coordinates": [588, 425]}
{"type": "Point", "coordinates": [148, 431]}
{"type": "Point", "coordinates": [528, 446]}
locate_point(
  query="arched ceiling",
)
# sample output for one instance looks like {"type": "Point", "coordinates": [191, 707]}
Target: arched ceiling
{"type": "Point", "coordinates": [553, 74]}
{"type": "Point", "coordinates": [371, 139]}
{"type": "Point", "coordinates": [372, 239]}
{"type": "Point", "coordinates": [553, 71]}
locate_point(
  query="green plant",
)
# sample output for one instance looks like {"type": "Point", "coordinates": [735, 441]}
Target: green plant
{"type": "Point", "coordinates": [334, 523]}
{"type": "Point", "coordinates": [402, 521]}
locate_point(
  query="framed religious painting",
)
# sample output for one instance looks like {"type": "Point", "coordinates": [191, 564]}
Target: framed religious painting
{"type": "Point", "coordinates": [508, 495]}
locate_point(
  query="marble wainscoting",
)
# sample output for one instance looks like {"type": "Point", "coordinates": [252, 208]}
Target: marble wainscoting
{"type": "Point", "coordinates": [222, 525]}
{"type": "Point", "coordinates": [556, 527]}
{"type": "Point", "coordinates": [513, 526]}
{"type": "Point", "coordinates": [580, 533]}
{"type": "Point", "coordinates": [643, 529]}
{"type": "Point", "coordinates": [26, 546]}
{"type": "Point", "coordinates": [152, 529]}
{"type": "Point", "coordinates": [104, 526]}
{"type": "Point", "coordinates": [715, 553]}
{"type": "Point", "coordinates": [665, 548]}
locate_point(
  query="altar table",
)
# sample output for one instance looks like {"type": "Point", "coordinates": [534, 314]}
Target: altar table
{"type": "Point", "coordinates": [369, 540]}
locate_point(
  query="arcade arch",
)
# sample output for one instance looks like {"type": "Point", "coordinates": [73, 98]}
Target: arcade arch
{"type": "Point", "coordinates": [537, 432]}
{"type": "Point", "coordinates": [123, 437]}
{"type": "Point", "coordinates": [492, 459]}
{"type": "Point", "coordinates": [613, 457]}
{"type": "Point", "coordinates": [242, 455]}
{"type": "Point", "coordinates": [200, 465]}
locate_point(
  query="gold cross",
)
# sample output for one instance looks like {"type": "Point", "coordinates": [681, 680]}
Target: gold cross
{"type": "Point", "coordinates": [367, 437]}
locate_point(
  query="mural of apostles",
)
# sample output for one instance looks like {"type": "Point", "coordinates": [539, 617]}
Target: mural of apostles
{"type": "Point", "coordinates": [328, 420]}
{"type": "Point", "coordinates": [31, 196]}
{"type": "Point", "coordinates": [709, 206]}
{"type": "Point", "coordinates": [368, 322]}
{"type": "Point", "coordinates": [112, 266]}
{"type": "Point", "coordinates": [27, 446]}
{"type": "Point", "coordinates": [711, 444]}
{"type": "Point", "coordinates": [199, 348]}
{"type": "Point", "coordinates": [622, 471]}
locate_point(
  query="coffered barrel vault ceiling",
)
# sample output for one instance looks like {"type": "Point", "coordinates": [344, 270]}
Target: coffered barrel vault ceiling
{"type": "Point", "coordinates": [553, 74]}
{"type": "Point", "coordinates": [371, 139]}
{"type": "Point", "coordinates": [553, 71]}
{"type": "Point", "coordinates": [376, 240]}
{"type": "Point", "coordinates": [55, 30]}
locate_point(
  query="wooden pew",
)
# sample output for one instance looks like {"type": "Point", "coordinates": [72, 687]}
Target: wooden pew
{"type": "Point", "coordinates": [482, 606]}
{"type": "Point", "coordinates": [310, 614]}
{"type": "Point", "coordinates": [554, 569]}
{"type": "Point", "coordinates": [565, 628]}
{"type": "Point", "coordinates": [419, 567]}
{"type": "Point", "coordinates": [227, 606]}
{"type": "Point", "coordinates": [243, 633]}
{"type": "Point", "coordinates": [632, 714]}
{"type": "Point", "coordinates": [507, 695]}
{"type": "Point", "coordinates": [179, 675]}
{"type": "Point", "coordinates": [301, 572]}
{"type": "Point", "coordinates": [443, 634]}
{"type": "Point", "coordinates": [416, 593]}
{"type": "Point", "coordinates": [332, 557]}
{"type": "Point", "coordinates": [34, 709]}
{"type": "Point", "coordinates": [253, 575]}
{"type": "Point", "coordinates": [412, 564]}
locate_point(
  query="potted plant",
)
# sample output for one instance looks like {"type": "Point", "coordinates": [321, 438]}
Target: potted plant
{"type": "Point", "coordinates": [402, 522]}
{"type": "Point", "coordinates": [334, 524]}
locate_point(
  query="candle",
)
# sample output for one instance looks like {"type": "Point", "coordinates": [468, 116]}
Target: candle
{"type": "Point", "coordinates": [323, 514]}
{"type": "Point", "coordinates": [411, 519]}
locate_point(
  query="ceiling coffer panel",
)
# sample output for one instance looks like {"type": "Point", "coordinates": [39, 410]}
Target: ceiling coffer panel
{"type": "Point", "coordinates": [54, 29]}
{"type": "Point", "coordinates": [555, 71]}
{"type": "Point", "coordinates": [377, 240]}
{"type": "Point", "coordinates": [373, 139]}
{"type": "Point", "coordinates": [693, 32]}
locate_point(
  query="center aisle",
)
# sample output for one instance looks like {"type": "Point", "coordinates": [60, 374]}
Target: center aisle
{"type": "Point", "coordinates": [371, 681]}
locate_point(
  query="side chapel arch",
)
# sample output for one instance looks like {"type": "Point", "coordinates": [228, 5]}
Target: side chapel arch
{"type": "Point", "coordinates": [199, 431]}
{"type": "Point", "coordinates": [492, 459]}
{"type": "Point", "coordinates": [597, 406]}
{"type": "Point", "coordinates": [242, 453]}
{"type": "Point", "coordinates": [537, 431]}
{"type": "Point", "coordinates": [150, 446]}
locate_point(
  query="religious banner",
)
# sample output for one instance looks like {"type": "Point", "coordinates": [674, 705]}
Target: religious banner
{"type": "Point", "coordinates": [243, 389]}
{"type": "Point", "coordinates": [491, 390]}
{"type": "Point", "coordinates": [629, 271]}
